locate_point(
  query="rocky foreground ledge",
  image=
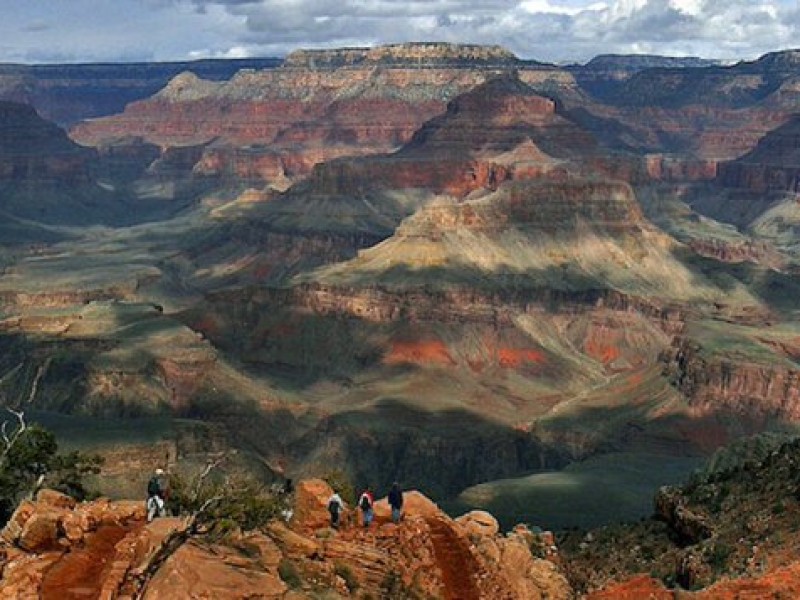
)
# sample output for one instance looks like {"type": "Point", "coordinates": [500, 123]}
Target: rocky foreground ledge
{"type": "Point", "coordinates": [54, 548]}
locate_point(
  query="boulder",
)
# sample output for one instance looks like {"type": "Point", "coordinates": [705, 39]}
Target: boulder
{"type": "Point", "coordinates": [311, 504]}
{"type": "Point", "coordinates": [479, 523]}
{"type": "Point", "coordinates": [262, 547]}
{"type": "Point", "coordinates": [13, 528]}
{"type": "Point", "coordinates": [40, 532]}
{"type": "Point", "coordinates": [529, 577]}
{"type": "Point", "coordinates": [415, 503]}
{"type": "Point", "coordinates": [293, 544]}
{"type": "Point", "coordinates": [55, 499]}
{"type": "Point", "coordinates": [199, 571]}
{"type": "Point", "coordinates": [75, 526]}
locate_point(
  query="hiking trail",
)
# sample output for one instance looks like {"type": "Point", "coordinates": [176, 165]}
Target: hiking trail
{"type": "Point", "coordinates": [456, 562]}
{"type": "Point", "coordinates": [80, 573]}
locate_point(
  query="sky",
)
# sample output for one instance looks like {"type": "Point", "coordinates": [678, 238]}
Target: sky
{"type": "Point", "coordinates": [53, 31]}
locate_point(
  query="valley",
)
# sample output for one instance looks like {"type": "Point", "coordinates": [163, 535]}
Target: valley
{"type": "Point", "coordinates": [438, 264]}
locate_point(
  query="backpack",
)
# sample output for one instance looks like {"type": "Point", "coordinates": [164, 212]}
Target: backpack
{"type": "Point", "coordinates": [333, 507]}
{"type": "Point", "coordinates": [153, 487]}
{"type": "Point", "coordinates": [364, 503]}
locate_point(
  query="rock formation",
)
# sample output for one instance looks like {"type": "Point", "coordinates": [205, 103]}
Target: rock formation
{"type": "Point", "coordinates": [53, 546]}
{"type": "Point", "coordinates": [31, 147]}
{"type": "Point", "coordinates": [68, 93]}
{"type": "Point", "coordinates": [773, 165]}
{"type": "Point", "coordinates": [752, 373]}
{"type": "Point", "coordinates": [319, 105]}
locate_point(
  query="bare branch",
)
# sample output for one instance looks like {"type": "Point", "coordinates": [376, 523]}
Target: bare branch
{"type": "Point", "coordinates": [210, 466]}
{"type": "Point", "coordinates": [10, 438]}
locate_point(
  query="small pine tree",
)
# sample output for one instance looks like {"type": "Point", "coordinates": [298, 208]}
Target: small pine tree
{"type": "Point", "coordinates": [29, 459]}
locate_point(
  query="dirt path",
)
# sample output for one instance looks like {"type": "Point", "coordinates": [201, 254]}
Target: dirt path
{"type": "Point", "coordinates": [455, 561]}
{"type": "Point", "coordinates": [79, 573]}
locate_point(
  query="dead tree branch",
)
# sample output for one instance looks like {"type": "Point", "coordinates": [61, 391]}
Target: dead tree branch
{"type": "Point", "coordinates": [10, 437]}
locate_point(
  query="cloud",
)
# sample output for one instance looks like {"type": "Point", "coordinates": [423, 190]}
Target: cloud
{"type": "Point", "coordinates": [544, 29]}
{"type": "Point", "coordinates": [551, 30]}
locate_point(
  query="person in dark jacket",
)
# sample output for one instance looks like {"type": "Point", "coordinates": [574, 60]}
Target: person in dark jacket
{"type": "Point", "coordinates": [366, 502]}
{"type": "Point", "coordinates": [335, 508]}
{"type": "Point", "coordinates": [396, 502]}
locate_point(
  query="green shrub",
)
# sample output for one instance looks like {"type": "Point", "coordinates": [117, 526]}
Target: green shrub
{"type": "Point", "coordinates": [393, 588]}
{"type": "Point", "coordinates": [537, 547]}
{"type": "Point", "coordinates": [240, 500]}
{"type": "Point", "coordinates": [288, 573]}
{"type": "Point", "coordinates": [719, 556]}
{"type": "Point", "coordinates": [31, 458]}
{"type": "Point", "coordinates": [346, 573]}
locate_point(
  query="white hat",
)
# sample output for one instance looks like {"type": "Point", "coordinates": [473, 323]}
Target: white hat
{"type": "Point", "coordinates": [159, 471]}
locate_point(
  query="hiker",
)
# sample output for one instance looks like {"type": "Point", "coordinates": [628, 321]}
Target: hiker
{"type": "Point", "coordinates": [335, 507]}
{"type": "Point", "coordinates": [156, 495]}
{"type": "Point", "coordinates": [396, 502]}
{"type": "Point", "coordinates": [365, 502]}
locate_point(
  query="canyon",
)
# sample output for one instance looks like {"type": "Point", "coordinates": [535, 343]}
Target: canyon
{"type": "Point", "coordinates": [430, 263]}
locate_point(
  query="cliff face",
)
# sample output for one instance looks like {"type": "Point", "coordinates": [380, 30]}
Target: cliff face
{"type": "Point", "coordinates": [317, 106]}
{"type": "Point", "coordinates": [605, 74]}
{"type": "Point", "coordinates": [422, 53]}
{"type": "Point", "coordinates": [711, 113]}
{"type": "Point", "coordinates": [742, 84]}
{"type": "Point", "coordinates": [773, 165]}
{"type": "Point", "coordinates": [45, 178]}
{"type": "Point", "coordinates": [32, 149]}
{"type": "Point", "coordinates": [756, 390]}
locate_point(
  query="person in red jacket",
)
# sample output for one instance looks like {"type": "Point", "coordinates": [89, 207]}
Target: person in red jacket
{"type": "Point", "coordinates": [366, 502]}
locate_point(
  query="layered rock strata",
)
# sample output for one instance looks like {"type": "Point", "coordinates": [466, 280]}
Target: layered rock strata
{"type": "Point", "coordinates": [773, 165]}
{"type": "Point", "coordinates": [317, 106]}
{"type": "Point", "coordinates": [756, 389]}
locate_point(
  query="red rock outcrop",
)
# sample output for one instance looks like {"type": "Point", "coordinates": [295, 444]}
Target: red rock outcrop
{"type": "Point", "coordinates": [318, 106]}
{"type": "Point", "coordinates": [55, 548]}
{"type": "Point", "coordinates": [116, 555]}
{"type": "Point", "coordinates": [428, 552]}
{"type": "Point", "coordinates": [203, 570]}
{"type": "Point", "coordinates": [637, 588]}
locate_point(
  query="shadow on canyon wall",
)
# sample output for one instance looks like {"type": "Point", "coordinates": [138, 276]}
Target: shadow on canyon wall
{"type": "Point", "coordinates": [779, 290]}
{"type": "Point", "coordinates": [442, 453]}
